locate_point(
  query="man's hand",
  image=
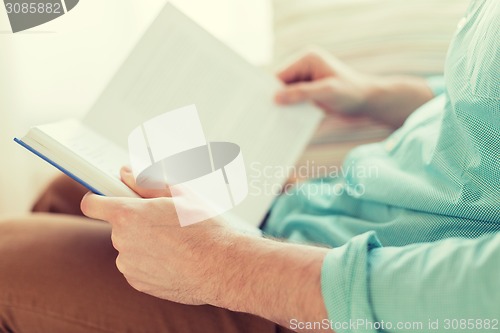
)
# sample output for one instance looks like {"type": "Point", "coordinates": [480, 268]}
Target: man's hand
{"type": "Point", "coordinates": [322, 79]}
{"type": "Point", "coordinates": [208, 262]}
{"type": "Point", "coordinates": [158, 256]}
{"type": "Point", "coordinates": [325, 81]}
{"type": "Point", "coordinates": [128, 178]}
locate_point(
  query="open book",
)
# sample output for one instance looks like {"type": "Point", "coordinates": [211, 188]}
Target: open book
{"type": "Point", "coordinates": [177, 63]}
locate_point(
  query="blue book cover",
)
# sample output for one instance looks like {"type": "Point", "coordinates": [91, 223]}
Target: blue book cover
{"type": "Point", "coordinates": [53, 163]}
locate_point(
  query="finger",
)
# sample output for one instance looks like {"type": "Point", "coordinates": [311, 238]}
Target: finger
{"type": "Point", "coordinates": [127, 177]}
{"type": "Point", "coordinates": [129, 180]}
{"type": "Point", "coordinates": [102, 208]}
{"type": "Point", "coordinates": [119, 263]}
{"type": "Point", "coordinates": [300, 92]}
{"type": "Point", "coordinates": [298, 70]}
{"type": "Point", "coordinates": [310, 66]}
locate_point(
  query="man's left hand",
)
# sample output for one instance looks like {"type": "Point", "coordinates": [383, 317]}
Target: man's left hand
{"type": "Point", "coordinates": [158, 256]}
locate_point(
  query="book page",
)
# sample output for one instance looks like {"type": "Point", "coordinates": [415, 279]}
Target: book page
{"type": "Point", "coordinates": [177, 63]}
{"type": "Point", "coordinates": [83, 152]}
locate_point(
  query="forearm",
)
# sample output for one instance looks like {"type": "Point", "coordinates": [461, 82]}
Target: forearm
{"type": "Point", "coordinates": [274, 280]}
{"type": "Point", "coordinates": [393, 98]}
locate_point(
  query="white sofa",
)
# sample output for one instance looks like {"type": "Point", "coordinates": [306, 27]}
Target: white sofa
{"type": "Point", "coordinates": [58, 70]}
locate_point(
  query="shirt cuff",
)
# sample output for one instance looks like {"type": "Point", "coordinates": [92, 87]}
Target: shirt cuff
{"type": "Point", "coordinates": [344, 285]}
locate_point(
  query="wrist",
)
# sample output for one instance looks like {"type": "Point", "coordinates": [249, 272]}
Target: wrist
{"type": "Point", "coordinates": [391, 99]}
{"type": "Point", "coordinates": [218, 267]}
{"type": "Point", "coordinates": [274, 280]}
{"type": "Point", "coordinates": [378, 90]}
{"type": "Point", "coordinates": [230, 271]}
{"type": "Point", "coordinates": [371, 90]}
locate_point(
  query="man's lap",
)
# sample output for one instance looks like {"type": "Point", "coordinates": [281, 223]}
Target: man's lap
{"type": "Point", "coordinates": [58, 273]}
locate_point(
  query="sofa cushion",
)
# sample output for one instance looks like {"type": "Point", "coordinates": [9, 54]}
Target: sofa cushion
{"type": "Point", "coordinates": [378, 36]}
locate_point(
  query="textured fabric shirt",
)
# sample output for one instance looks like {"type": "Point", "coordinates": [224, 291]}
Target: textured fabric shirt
{"type": "Point", "coordinates": [414, 221]}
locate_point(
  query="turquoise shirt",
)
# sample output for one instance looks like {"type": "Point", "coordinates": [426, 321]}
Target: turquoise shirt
{"type": "Point", "coordinates": [414, 222]}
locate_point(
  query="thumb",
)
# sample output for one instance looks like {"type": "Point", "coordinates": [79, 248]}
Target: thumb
{"type": "Point", "coordinates": [102, 208]}
{"type": "Point", "coordinates": [129, 180]}
{"type": "Point", "coordinates": [303, 91]}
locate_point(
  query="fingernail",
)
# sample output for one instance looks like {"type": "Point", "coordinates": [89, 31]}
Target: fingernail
{"type": "Point", "coordinates": [126, 169]}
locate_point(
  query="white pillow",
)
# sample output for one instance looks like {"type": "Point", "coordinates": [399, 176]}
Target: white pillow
{"type": "Point", "coordinates": [377, 36]}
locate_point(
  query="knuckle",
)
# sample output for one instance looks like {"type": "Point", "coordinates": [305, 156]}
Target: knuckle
{"type": "Point", "coordinates": [125, 213]}
{"type": "Point", "coordinates": [312, 53]}
{"type": "Point", "coordinates": [133, 283]}
{"type": "Point", "coordinates": [326, 89]}
{"type": "Point", "coordinates": [150, 205]}
{"type": "Point", "coordinates": [297, 93]}
{"type": "Point", "coordinates": [160, 203]}
{"type": "Point", "coordinates": [119, 263]}
{"type": "Point", "coordinates": [136, 284]}
{"type": "Point", "coordinates": [117, 243]}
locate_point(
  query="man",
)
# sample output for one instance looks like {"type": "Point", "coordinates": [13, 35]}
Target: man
{"type": "Point", "coordinates": [418, 250]}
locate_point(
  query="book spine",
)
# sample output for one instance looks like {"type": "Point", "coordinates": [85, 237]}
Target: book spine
{"type": "Point", "coordinates": [59, 167]}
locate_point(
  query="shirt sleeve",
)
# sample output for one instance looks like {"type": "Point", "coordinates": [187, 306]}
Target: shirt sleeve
{"type": "Point", "coordinates": [436, 84]}
{"type": "Point", "coordinates": [451, 285]}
